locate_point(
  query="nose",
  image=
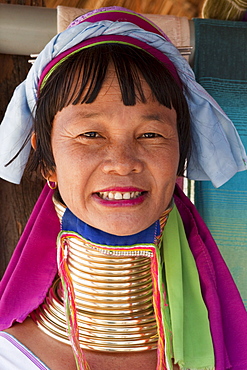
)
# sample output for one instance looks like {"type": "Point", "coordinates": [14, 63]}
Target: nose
{"type": "Point", "coordinates": [122, 159]}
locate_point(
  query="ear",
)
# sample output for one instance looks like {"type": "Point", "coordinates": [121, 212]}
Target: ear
{"type": "Point", "coordinates": [33, 140]}
{"type": "Point", "coordinates": [51, 176]}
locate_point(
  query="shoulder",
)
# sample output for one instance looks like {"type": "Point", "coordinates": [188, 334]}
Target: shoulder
{"type": "Point", "coordinates": [14, 355]}
{"type": "Point", "coordinates": [51, 353]}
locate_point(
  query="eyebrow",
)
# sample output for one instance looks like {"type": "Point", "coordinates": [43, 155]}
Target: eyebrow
{"type": "Point", "coordinates": [145, 117]}
{"type": "Point", "coordinates": [87, 115]}
{"type": "Point", "coordinates": [155, 117]}
{"type": "Point", "coordinates": [152, 117]}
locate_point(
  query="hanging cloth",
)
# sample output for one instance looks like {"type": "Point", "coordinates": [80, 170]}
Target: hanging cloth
{"type": "Point", "coordinates": [220, 66]}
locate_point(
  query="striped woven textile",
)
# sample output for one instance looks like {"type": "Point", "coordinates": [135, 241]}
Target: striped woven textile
{"type": "Point", "coordinates": [221, 67]}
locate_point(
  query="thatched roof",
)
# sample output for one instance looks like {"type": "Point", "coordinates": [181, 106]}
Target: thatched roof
{"type": "Point", "coordinates": [188, 8]}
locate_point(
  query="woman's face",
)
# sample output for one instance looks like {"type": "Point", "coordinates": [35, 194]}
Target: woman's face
{"type": "Point", "coordinates": [116, 165]}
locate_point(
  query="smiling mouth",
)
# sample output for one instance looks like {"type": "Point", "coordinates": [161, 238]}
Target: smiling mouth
{"type": "Point", "coordinates": [117, 195]}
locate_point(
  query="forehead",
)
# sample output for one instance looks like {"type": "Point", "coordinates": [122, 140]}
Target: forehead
{"type": "Point", "coordinates": [110, 90]}
{"type": "Point", "coordinates": [109, 103]}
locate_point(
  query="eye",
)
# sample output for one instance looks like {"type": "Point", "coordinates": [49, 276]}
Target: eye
{"type": "Point", "coordinates": [150, 135]}
{"type": "Point", "coordinates": [91, 134]}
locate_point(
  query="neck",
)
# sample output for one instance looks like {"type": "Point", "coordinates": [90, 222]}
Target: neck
{"type": "Point", "coordinates": [112, 288]}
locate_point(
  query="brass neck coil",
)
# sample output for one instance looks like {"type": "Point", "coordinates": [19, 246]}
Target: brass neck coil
{"type": "Point", "coordinates": [113, 296]}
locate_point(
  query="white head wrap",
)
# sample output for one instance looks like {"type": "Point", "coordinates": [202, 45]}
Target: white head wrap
{"type": "Point", "coordinates": [217, 152]}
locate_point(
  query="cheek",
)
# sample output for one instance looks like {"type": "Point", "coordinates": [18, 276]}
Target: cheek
{"type": "Point", "coordinates": [166, 162]}
{"type": "Point", "coordinates": [65, 156]}
{"type": "Point", "coordinates": [166, 173]}
{"type": "Point", "coordinates": [75, 172]}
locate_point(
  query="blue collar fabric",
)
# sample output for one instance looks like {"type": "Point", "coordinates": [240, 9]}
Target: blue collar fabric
{"type": "Point", "coordinates": [71, 223]}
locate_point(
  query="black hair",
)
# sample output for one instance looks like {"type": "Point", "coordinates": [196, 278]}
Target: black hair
{"type": "Point", "coordinates": [79, 78]}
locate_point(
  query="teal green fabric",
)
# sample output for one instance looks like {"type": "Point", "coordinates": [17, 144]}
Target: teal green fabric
{"type": "Point", "coordinates": [191, 337]}
{"type": "Point", "coordinates": [221, 68]}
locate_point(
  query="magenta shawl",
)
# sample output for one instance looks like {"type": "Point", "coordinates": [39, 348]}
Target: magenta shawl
{"type": "Point", "coordinates": [33, 267]}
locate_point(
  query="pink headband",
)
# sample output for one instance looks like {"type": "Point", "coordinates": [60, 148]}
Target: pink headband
{"type": "Point", "coordinates": [117, 16]}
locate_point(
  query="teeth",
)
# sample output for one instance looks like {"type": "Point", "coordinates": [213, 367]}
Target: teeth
{"type": "Point", "coordinates": [111, 195]}
{"type": "Point", "coordinates": [119, 196]}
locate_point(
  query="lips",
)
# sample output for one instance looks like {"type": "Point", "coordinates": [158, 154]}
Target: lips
{"type": "Point", "coordinates": [117, 195]}
{"type": "Point", "coordinates": [120, 196]}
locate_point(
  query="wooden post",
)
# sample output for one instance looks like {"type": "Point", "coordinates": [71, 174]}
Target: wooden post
{"type": "Point", "coordinates": [16, 201]}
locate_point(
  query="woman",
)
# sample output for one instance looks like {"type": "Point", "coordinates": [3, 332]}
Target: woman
{"type": "Point", "coordinates": [141, 283]}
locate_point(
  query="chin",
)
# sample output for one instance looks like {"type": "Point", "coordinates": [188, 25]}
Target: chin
{"type": "Point", "coordinates": [122, 230]}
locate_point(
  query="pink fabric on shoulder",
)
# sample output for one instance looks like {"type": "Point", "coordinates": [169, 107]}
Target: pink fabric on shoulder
{"type": "Point", "coordinates": [33, 265]}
